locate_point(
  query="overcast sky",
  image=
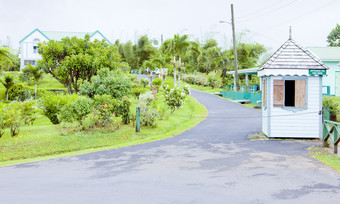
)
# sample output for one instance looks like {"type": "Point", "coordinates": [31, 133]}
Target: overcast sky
{"type": "Point", "coordinates": [268, 21]}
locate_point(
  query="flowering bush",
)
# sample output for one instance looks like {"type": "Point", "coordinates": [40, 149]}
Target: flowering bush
{"type": "Point", "coordinates": [146, 100]}
{"type": "Point", "coordinates": [174, 97]}
{"type": "Point", "coordinates": [148, 117]}
{"type": "Point", "coordinates": [124, 109]}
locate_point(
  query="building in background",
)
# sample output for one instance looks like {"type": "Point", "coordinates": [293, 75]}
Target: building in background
{"type": "Point", "coordinates": [330, 56]}
{"type": "Point", "coordinates": [29, 44]}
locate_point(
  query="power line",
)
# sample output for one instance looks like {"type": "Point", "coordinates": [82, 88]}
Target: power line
{"type": "Point", "coordinates": [305, 14]}
{"type": "Point", "coordinates": [260, 9]}
{"type": "Point", "coordinates": [258, 33]}
{"type": "Point", "coordinates": [285, 5]}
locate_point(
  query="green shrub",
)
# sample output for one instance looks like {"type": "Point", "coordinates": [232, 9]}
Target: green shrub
{"type": "Point", "coordinates": [11, 118]}
{"type": "Point", "coordinates": [29, 112]}
{"type": "Point", "coordinates": [19, 92]}
{"type": "Point", "coordinates": [329, 102]}
{"type": "Point", "coordinates": [77, 110]}
{"type": "Point", "coordinates": [106, 100]}
{"type": "Point", "coordinates": [146, 100]}
{"type": "Point", "coordinates": [138, 91]}
{"type": "Point", "coordinates": [214, 80]}
{"type": "Point", "coordinates": [174, 97]}
{"type": "Point", "coordinates": [124, 109]}
{"type": "Point", "coordinates": [96, 119]}
{"type": "Point", "coordinates": [148, 117]}
{"type": "Point", "coordinates": [157, 83]}
{"type": "Point", "coordinates": [144, 82]}
{"type": "Point", "coordinates": [51, 104]}
{"type": "Point", "coordinates": [116, 84]}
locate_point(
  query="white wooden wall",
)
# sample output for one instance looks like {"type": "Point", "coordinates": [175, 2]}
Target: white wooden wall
{"type": "Point", "coordinates": [296, 123]}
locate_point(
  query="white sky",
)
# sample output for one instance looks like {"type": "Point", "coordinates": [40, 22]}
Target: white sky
{"type": "Point", "coordinates": [267, 20]}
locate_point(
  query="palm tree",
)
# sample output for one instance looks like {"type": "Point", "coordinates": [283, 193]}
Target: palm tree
{"type": "Point", "coordinates": [8, 82]}
{"type": "Point", "coordinates": [180, 46]}
{"type": "Point", "coordinates": [5, 54]}
{"type": "Point", "coordinates": [36, 73]}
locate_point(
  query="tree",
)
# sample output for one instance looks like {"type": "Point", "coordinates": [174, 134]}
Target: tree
{"type": "Point", "coordinates": [73, 61]}
{"type": "Point", "coordinates": [333, 38]}
{"type": "Point", "coordinates": [7, 59]}
{"type": "Point", "coordinates": [35, 73]}
{"type": "Point", "coordinates": [8, 82]}
{"type": "Point", "coordinates": [143, 50]}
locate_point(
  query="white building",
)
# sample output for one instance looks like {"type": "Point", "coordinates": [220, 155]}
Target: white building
{"type": "Point", "coordinates": [291, 82]}
{"type": "Point", "coordinates": [29, 44]}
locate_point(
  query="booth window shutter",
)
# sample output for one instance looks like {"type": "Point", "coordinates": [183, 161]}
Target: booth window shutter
{"type": "Point", "coordinates": [300, 93]}
{"type": "Point", "coordinates": [279, 93]}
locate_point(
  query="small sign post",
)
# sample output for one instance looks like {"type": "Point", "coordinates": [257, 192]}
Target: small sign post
{"type": "Point", "coordinates": [317, 72]}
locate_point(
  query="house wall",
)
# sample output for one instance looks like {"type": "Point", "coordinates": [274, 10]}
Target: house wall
{"type": "Point", "coordinates": [290, 122]}
{"type": "Point", "coordinates": [26, 48]}
{"type": "Point", "coordinates": [329, 80]}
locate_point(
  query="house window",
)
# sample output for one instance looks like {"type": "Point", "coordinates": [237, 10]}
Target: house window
{"type": "Point", "coordinates": [289, 93]}
{"type": "Point", "coordinates": [31, 62]}
{"type": "Point", "coordinates": [35, 49]}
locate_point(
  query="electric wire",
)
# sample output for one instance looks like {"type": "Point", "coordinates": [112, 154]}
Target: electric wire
{"type": "Point", "coordinates": [260, 9]}
{"type": "Point", "coordinates": [285, 5]}
{"type": "Point", "coordinates": [300, 16]}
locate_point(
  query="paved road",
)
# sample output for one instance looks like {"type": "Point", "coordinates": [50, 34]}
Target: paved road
{"type": "Point", "coordinates": [213, 162]}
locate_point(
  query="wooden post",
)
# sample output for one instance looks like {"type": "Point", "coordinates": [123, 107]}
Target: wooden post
{"type": "Point", "coordinates": [235, 51]}
{"type": "Point", "coordinates": [138, 119]}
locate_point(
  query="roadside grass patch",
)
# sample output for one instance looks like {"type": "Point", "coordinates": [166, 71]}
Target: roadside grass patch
{"type": "Point", "coordinates": [326, 156]}
{"type": "Point", "coordinates": [43, 140]}
{"type": "Point", "coordinates": [258, 136]}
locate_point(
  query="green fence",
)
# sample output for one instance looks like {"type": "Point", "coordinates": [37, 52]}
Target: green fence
{"type": "Point", "coordinates": [246, 93]}
{"type": "Point", "coordinates": [331, 130]}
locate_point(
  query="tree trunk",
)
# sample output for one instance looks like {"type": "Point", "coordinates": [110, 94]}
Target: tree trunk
{"type": "Point", "coordinates": [35, 91]}
{"type": "Point", "coordinates": [179, 72]}
{"type": "Point", "coordinates": [174, 71]}
{"type": "Point", "coordinates": [6, 95]}
{"type": "Point", "coordinates": [69, 87]}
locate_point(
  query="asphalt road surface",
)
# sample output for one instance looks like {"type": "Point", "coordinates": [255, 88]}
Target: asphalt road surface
{"type": "Point", "coordinates": [213, 162]}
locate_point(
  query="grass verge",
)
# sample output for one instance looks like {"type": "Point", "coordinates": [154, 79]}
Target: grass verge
{"type": "Point", "coordinates": [43, 140]}
{"type": "Point", "coordinates": [325, 156]}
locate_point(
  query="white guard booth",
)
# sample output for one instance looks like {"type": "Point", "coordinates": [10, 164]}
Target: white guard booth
{"type": "Point", "coordinates": [291, 84]}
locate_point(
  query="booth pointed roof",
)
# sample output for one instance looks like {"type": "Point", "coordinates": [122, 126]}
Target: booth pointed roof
{"type": "Point", "coordinates": [292, 56]}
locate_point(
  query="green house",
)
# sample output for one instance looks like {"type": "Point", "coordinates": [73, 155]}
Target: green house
{"type": "Point", "coordinates": [330, 56]}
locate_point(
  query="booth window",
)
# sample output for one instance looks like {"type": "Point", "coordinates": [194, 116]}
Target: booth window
{"type": "Point", "coordinates": [35, 49]}
{"type": "Point", "coordinates": [289, 93]}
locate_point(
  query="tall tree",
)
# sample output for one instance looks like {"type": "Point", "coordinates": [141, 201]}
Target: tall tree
{"type": "Point", "coordinates": [35, 73]}
{"type": "Point", "coordinates": [72, 61]}
{"type": "Point", "coordinates": [333, 38]}
{"type": "Point", "coordinates": [143, 50]}
{"type": "Point", "coordinates": [181, 45]}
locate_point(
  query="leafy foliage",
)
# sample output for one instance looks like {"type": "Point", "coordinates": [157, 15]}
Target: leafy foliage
{"type": "Point", "coordinates": [144, 82]}
{"type": "Point", "coordinates": [51, 105]}
{"type": "Point", "coordinates": [174, 97]}
{"type": "Point", "coordinates": [116, 84]}
{"type": "Point", "coordinates": [77, 110]}
{"type": "Point", "coordinates": [72, 60]}
{"type": "Point", "coordinates": [124, 109]}
{"type": "Point", "coordinates": [333, 38]}
{"type": "Point", "coordinates": [333, 106]}
{"type": "Point", "coordinates": [7, 59]}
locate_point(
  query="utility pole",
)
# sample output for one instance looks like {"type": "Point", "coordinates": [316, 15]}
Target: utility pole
{"type": "Point", "coordinates": [235, 51]}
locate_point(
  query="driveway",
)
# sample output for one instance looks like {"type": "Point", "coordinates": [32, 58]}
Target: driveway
{"type": "Point", "coordinates": [213, 162]}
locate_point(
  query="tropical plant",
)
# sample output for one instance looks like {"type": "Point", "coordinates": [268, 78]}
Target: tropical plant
{"type": "Point", "coordinates": [7, 59]}
{"type": "Point", "coordinates": [174, 97]}
{"type": "Point", "coordinates": [77, 110]}
{"type": "Point", "coordinates": [8, 83]}
{"type": "Point", "coordinates": [34, 73]}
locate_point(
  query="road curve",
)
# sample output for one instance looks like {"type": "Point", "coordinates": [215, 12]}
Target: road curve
{"type": "Point", "coordinates": [213, 162]}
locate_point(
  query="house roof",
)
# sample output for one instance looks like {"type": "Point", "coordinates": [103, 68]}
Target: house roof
{"type": "Point", "coordinates": [326, 53]}
{"type": "Point", "coordinates": [58, 35]}
{"type": "Point", "coordinates": [292, 56]}
{"type": "Point", "coordinates": [245, 71]}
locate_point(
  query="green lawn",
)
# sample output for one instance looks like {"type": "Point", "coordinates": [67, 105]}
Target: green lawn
{"type": "Point", "coordinates": [43, 140]}
{"type": "Point", "coordinates": [325, 156]}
